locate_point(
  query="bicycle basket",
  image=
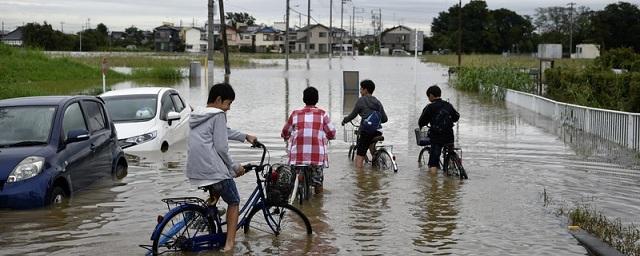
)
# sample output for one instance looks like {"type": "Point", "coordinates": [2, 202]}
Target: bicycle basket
{"type": "Point", "coordinates": [422, 137]}
{"type": "Point", "coordinates": [350, 133]}
{"type": "Point", "coordinates": [279, 184]}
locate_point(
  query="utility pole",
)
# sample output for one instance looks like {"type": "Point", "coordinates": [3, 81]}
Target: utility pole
{"type": "Point", "coordinates": [61, 27]}
{"type": "Point", "coordinates": [353, 29]}
{"type": "Point", "coordinates": [459, 33]}
{"type": "Point", "coordinates": [380, 31]}
{"type": "Point", "coordinates": [286, 40]}
{"type": "Point", "coordinates": [81, 28]}
{"type": "Point", "coordinates": [308, 30]}
{"type": "Point", "coordinates": [210, 43]}
{"type": "Point", "coordinates": [330, 46]}
{"type": "Point", "coordinates": [225, 47]}
{"type": "Point", "coordinates": [341, 25]}
{"type": "Point", "coordinates": [571, 28]}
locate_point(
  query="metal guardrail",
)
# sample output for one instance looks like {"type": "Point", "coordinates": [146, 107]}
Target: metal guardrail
{"type": "Point", "coordinates": [616, 126]}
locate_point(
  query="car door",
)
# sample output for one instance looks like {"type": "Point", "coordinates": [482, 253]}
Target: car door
{"type": "Point", "coordinates": [100, 140]}
{"type": "Point", "coordinates": [166, 106]}
{"type": "Point", "coordinates": [76, 157]}
{"type": "Point", "coordinates": [179, 128]}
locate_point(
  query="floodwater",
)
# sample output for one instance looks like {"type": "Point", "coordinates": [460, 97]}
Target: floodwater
{"type": "Point", "coordinates": [512, 157]}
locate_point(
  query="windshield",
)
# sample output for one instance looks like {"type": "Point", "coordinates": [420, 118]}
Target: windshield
{"type": "Point", "coordinates": [25, 126]}
{"type": "Point", "coordinates": [132, 108]}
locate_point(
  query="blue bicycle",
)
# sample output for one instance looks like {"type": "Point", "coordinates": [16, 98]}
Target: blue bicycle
{"type": "Point", "coordinates": [193, 224]}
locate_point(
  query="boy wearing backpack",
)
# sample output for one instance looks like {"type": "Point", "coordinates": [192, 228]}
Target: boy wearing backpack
{"type": "Point", "coordinates": [372, 114]}
{"type": "Point", "coordinates": [440, 115]}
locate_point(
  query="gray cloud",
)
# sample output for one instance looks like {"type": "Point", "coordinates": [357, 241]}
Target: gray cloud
{"type": "Point", "coordinates": [147, 14]}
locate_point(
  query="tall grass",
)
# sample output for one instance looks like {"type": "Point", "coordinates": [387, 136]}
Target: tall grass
{"type": "Point", "coordinates": [494, 60]}
{"type": "Point", "coordinates": [162, 73]}
{"type": "Point", "coordinates": [491, 81]}
{"type": "Point", "coordinates": [625, 239]}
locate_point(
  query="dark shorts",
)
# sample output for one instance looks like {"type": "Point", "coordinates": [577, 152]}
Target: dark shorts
{"type": "Point", "coordinates": [228, 191]}
{"type": "Point", "coordinates": [434, 155]}
{"type": "Point", "coordinates": [364, 141]}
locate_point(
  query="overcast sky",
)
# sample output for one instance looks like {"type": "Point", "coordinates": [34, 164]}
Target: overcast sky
{"type": "Point", "coordinates": [147, 14]}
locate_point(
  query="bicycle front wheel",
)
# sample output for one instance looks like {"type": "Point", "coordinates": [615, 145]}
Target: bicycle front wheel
{"type": "Point", "coordinates": [423, 157]}
{"type": "Point", "coordinates": [286, 222]}
{"type": "Point", "coordinates": [384, 161]}
{"type": "Point", "coordinates": [178, 230]}
{"type": "Point", "coordinates": [457, 164]}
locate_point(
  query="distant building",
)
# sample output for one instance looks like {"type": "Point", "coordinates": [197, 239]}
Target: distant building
{"type": "Point", "coordinates": [269, 39]}
{"type": "Point", "coordinates": [403, 38]}
{"type": "Point", "coordinates": [14, 38]}
{"type": "Point", "coordinates": [586, 51]}
{"type": "Point", "coordinates": [195, 40]}
{"type": "Point", "coordinates": [167, 38]}
{"type": "Point", "coordinates": [318, 39]}
{"type": "Point", "coordinates": [117, 36]}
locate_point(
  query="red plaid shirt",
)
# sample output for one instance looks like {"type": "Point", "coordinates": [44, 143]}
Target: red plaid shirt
{"type": "Point", "coordinates": [308, 131]}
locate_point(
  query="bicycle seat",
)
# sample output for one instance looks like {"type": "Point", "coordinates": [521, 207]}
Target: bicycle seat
{"type": "Point", "coordinates": [377, 139]}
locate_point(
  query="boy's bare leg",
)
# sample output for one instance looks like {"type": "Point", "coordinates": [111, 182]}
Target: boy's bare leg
{"type": "Point", "coordinates": [433, 169]}
{"type": "Point", "coordinates": [232, 221]}
{"type": "Point", "coordinates": [359, 161]}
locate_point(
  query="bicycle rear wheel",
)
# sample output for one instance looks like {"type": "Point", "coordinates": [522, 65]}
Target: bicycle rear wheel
{"type": "Point", "coordinates": [352, 152]}
{"type": "Point", "coordinates": [423, 157]}
{"type": "Point", "coordinates": [457, 162]}
{"type": "Point", "coordinates": [384, 160]}
{"type": "Point", "coordinates": [286, 222]}
{"type": "Point", "coordinates": [179, 231]}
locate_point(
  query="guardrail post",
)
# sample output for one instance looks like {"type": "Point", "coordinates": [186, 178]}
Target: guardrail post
{"type": "Point", "coordinates": [632, 132]}
{"type": "Point", "coordinates": [587, 120]}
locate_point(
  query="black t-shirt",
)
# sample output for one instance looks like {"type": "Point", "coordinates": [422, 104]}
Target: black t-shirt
{"type": "Point", "coordinates": [430, 111]}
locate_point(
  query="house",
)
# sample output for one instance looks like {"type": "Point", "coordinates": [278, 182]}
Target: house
{"type": "Point", "coordinates": [586, 51]}
{"type": "Point", "coordinates": [167, 38]}
{"type": "Point", "coordinates": [318, 39]}
{"type": "Point", "coordinates": [246, 36]}
{"type": "Point", "coordinates": [195, 39]}
{"type": "Point", "coordinates": [14, 38]}
{"type": "Point", "coordinates": [117, 36]}
{"type": "Point", "coordinates": [403, 38]}
{"type": "Point", "coordinates": [269, 39]}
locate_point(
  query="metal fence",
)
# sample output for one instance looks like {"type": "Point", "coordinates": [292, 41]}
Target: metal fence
{"type": "Point", "coordinates": [620, 127]}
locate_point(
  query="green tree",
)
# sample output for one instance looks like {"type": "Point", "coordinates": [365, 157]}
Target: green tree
{"type": "Point", "coordinates": [618, 25]}
{"type": "Point", "coordinates": [44, 37]}
{"type": "Point", "coordinates": [239, 17]}
{"type": "Point", "coordinates": [483, 31]}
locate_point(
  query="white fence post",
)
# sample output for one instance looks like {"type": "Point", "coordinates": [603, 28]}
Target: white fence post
{"type": "Point", "coordinates": [632, 131]}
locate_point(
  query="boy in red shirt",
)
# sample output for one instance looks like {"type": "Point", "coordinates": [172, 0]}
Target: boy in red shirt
{"type": "Point", "coordinates": [307, 132]}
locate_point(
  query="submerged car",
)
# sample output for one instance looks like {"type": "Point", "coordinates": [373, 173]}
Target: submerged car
{"type": "Point", "coordinates": [148, 118]}
{"type": "Point", "coordinates": [53, 146]}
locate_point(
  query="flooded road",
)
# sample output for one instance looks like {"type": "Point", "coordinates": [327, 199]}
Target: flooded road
{"type": "Point", "coordinates": [511, 156]}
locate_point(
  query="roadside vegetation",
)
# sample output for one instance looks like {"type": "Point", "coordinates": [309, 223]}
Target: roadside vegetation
{"type": "Point", "coordinates": [494, 60]}
{"type": "Point", "coordinates": [625, 239]}
{"type": "Point", "coordinates": [597, 85]}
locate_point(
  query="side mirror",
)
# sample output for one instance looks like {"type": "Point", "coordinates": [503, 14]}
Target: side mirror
{"type": "Point", "coordinates": [77, 135]}
{"type": "Point", "coordinates": [173, 116]}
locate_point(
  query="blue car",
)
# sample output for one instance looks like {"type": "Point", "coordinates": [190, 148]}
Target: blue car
{"type": "Point", "coordinates": [53, 146]}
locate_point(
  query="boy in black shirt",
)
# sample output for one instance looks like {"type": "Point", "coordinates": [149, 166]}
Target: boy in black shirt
{"type": "Point", "coordinates": [440, 115]}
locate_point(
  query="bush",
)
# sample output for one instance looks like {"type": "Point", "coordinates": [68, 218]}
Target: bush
{"type": "Point", "coordinates": [484, 79]}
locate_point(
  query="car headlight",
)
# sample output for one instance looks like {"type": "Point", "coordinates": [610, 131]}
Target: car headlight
{"type": "Point", "coordinates": [27, 168]}
{"type": "Point", "coordinates": [142, 138]}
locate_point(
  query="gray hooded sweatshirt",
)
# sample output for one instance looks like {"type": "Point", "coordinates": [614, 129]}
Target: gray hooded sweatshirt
{"type": "Point", "coordinates": [208, 160]}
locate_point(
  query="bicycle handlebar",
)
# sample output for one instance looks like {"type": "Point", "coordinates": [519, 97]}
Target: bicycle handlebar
{"type": "Point", "coordinates": [259, 167]}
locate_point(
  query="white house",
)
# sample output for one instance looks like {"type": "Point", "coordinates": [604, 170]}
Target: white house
{"type": "Point", "coordinates": [269, 39]}
{"type": "Point", "coordinates": [195, 40]}
{"type": "Point", "coordinates": [587, 51]}
{"type": "Point", "coordinates": [14, 38]}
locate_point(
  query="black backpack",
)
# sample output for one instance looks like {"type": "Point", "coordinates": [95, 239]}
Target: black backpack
{"type": "Point", "coordinates": [442, 121]}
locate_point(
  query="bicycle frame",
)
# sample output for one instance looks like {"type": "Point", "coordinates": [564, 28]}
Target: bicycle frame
{"type": "Point", "coordinates": [217, 237]}
{"type": "Point", "coordinates": [378, 149]}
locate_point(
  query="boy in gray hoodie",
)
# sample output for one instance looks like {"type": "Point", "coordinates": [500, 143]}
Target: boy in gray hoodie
{"type": "Point", "coordinates": [209, 162]}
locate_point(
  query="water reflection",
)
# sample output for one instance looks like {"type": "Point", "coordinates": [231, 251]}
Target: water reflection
{"type": "Point", "coordinates": [437, 212]}
{"type": "Point", "coordinates": [366, 212]}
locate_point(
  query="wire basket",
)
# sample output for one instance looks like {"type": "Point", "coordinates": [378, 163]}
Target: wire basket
{"type": "Point", "coordinates": [422, 137]}
{"type": "Point", "coordinates": [350, 133]}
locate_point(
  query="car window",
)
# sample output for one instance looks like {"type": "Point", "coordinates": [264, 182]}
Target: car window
{"type": "Point", "coordinates": [73, 120]}
{"type": "Point", "coordinates": [25, 125]}
{"type": "Point", "coordinates": [179, 104]}
{"type": "Point", "coordinates": [166, 106]}
{"type": "Point", "coordinates": [95, 116]}
{"type": "Point", "coordinates": [131, 108]}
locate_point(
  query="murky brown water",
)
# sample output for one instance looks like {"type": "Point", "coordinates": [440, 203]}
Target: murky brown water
{"type": "Point", "coordinates": [511, 157]}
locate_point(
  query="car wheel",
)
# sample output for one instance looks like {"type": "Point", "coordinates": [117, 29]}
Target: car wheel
{"type": "Point", "coordinates": [57, 195]}
{"type": "Point", "coordinates": [121, 171]}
